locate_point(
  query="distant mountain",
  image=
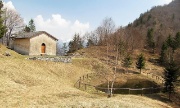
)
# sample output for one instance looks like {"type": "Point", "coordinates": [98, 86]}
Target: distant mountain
{"type": "Point", "coordinates": [60, 49]}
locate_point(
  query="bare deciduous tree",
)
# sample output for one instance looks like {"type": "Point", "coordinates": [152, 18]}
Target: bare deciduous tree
{"type": "Point", "coordinates": [105, 30]}
{"type": "Point", "coordinates": [108, 26]}
{"type": "Point", "coordinates": [114, 75]}
{"type": "Point", "coordinates": [13, 22]}
{"type": "Point", "coordinates": [91, 38]}
{"type": "Point", "coordinates": [114, 43]}
{"type": "Point", "coordinates": [99, 32]}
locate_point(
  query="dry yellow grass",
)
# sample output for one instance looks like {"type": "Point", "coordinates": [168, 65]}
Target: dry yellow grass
{"type": "Point", "coordinates": [29, 84]}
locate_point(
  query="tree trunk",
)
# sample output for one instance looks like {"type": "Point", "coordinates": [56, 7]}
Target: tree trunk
{"type": "Point", "coordinates": [2, 40]}
{"type": "Point", "coordinates": [114, 74]}
{"type": "Point", "coordinates": [8, 37]}
{"type": "Point", "coordinates": [169, 95]}
{"type": "Point", "coordinates": [108, 75]}
{"type": "Point", "coordinates": [172, 56]}
{"type": "Point", "coordinates": [108, 91]}
{"type": "Point", "coordinates": [153, 50]}
{"type": "Point", "coordinates": [112, 84]}
{"type": "Point", "coordinates": [111, 92]}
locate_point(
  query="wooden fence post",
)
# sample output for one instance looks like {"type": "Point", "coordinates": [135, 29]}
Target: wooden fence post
{"type": "Point", "coordinates": [151, 90]}
{"type": "Point", "coordinates": [80, 82]}
{"type": "Point", "coordinates": [142, 92]}
{"type": "Point", "coordinates": [95, 88]}
{"type": "Point", "coordinates": [85, 86]}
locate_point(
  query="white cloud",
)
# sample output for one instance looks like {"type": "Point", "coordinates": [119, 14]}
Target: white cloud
{"type": "Point", "coordinates": [79, 27]}
{"type": "Point", "coordinates": [9, 5]}
{"type": "Point", "coordinates": [59, 27]}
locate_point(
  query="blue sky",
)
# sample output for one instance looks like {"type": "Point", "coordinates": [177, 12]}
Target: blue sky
{"type": "Point", "coordinates": [62, 18]}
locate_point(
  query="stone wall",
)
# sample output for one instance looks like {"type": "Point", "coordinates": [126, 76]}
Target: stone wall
{"type": "Point", "coordinates": [37, 41]}
{"type": "Point", "coordinates": [21, 46]}
{"type": "Point", "coordinates": [53, 59]}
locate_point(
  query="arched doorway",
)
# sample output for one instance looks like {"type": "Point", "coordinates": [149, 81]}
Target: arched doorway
{"type": "Point", "coordinates": [43, 48]}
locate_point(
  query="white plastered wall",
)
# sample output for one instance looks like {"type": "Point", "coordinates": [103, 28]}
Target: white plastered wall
{"type": "Point", "coordinates": [36, 42]}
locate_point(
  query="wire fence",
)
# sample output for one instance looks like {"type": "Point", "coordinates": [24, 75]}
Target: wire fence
{"type": "Point", "coordinates": [82, 84]}
{"type": "Point", "coordinates": [156, 78]}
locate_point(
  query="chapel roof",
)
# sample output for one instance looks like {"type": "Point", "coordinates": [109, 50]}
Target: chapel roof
{"type": "Point", "coordinates": [23, 35]}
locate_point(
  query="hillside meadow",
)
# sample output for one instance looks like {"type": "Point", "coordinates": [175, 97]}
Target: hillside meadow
{"type": "Point", "coordinates": [28, 84]}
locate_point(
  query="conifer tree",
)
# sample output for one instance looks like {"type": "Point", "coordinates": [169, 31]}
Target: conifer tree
{"type": "Point", "coordinates": [90, 43]}
{"type": "Point", "coordinates": [2, 27]}
{"type": "Point", "coordinates": [140, 64]}
{"type": "Point", "coordinates": [170, 41]}
{"type": "Point", "coordinates": [32, 25]}
{"type": "Point", "coordinates": [150, 39]}
{"type": "Point", "coordinates": [170, 76]}
{"type": "Point", "coordinates": [27, 29]}
{"type": "Point", "coordinates": [171, 47]}
{"type": "Point", "coordinates": [163, 53]}
{"type": "Point", "coordinates": [177, 40]}
{"type": "Point", "coordinates": [127, 62]}
{"type": "Point", "coordinates": [75, 44]}
{"type": "Point", "coordinates": [168, 48]}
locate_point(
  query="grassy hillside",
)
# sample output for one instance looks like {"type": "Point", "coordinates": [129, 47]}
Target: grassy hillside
{"type": "Point", "coordinates": [164, 20]}
{"type": "Point", "coordinates": [25, 83]}
{"type": "Point", "coordinates": [100, 53]}
{"type": "Point", "coordinates": [151, 65]}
